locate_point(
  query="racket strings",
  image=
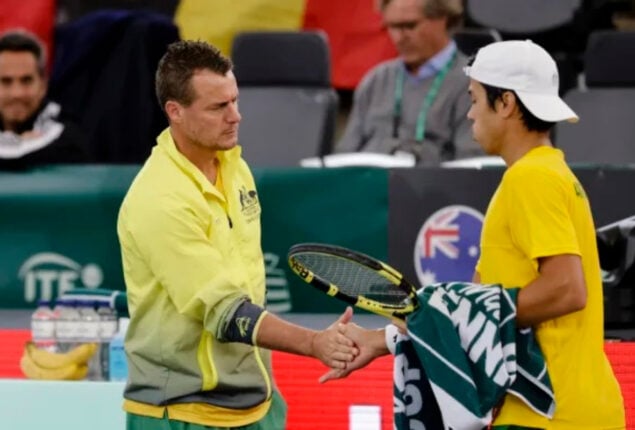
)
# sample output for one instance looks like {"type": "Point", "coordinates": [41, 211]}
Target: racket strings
{"type": "Point", "coordinates": [353, 278]}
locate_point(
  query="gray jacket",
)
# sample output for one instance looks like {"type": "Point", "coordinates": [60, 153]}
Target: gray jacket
{"type": "Point", "coordinates": [448, 131]}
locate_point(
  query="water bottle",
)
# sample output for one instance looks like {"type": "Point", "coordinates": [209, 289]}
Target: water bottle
{"type": "Point", "coordinates": [43, 326]}
{"type": "Point", "coordinates": [107, 330]}
{"type": "Point", "coordinates": [118, 365]}
{"type": "Point", "coordinates": [66, 330]}
{"type": "Point", "coordinates": [88, 332]}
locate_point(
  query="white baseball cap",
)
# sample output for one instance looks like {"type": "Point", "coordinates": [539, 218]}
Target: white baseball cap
{"type": "Point", "coordinates": [528, 70]}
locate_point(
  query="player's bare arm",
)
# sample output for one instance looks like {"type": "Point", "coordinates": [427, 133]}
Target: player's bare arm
{"type": "Point", "coordinates": [476, 277]}
{"type": "Point", "coordinates": [559, 290]}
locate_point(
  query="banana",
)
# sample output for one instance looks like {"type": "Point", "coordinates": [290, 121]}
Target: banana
{"type": "Point", "coordinates": [53, 360]}
{"type": "Point", "coordinates": [31, 370]}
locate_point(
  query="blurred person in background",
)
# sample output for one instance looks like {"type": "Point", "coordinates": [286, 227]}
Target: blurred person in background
{"type": "Point", "coordinates": [33, 130]}
{"type": "Point", "coordinates": [416, 103]}
{"type": "Point", "coordinates": [199, 336]}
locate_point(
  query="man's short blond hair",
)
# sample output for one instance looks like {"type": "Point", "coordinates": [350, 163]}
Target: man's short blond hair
{"type": "Point", "coordinates": [450, 9]}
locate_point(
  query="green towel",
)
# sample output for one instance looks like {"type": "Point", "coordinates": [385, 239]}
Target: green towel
{"type": "Point", "coordinates": [465, 348]}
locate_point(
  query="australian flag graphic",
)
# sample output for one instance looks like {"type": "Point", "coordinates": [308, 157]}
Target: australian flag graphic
{"type": "Point", "coordinates": [447, 246]}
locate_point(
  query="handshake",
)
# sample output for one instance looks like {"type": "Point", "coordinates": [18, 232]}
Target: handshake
{"type": "Point", "coordinates": [345, 346]}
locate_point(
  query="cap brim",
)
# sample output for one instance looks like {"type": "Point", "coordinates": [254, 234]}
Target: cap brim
{"type": "Point", "coordinates": [546, 107]}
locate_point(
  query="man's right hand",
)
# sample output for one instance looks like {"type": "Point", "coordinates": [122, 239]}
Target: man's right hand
{"type": "Point", "coordinates": [371, 344]}
{"type": "Point", "coordinates": [331, 346]}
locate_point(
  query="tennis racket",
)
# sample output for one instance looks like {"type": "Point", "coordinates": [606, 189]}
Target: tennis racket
{"type": "Point", "coordinates": [355, 278]}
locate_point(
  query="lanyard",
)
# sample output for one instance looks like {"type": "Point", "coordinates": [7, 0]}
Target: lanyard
{"type": "Point", "coordinates": [427, 101]}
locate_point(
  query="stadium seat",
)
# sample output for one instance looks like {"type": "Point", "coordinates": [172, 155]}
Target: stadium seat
{"type": "Point", "coordinates": [609, 60]}
{"type": "Point", "coordinates": [286, 99]}
{"type": "Point", "coordinates": [606, 131]}
{"type": "Point", "coordinates": [558, 26]}
{"type": "Point", "coordinates": [522, 16]}
{"type": "Point", "coordinates": [470, 40]}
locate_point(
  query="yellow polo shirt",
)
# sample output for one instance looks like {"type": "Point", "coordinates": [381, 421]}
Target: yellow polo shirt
{"type": "Point", "coordinates": [539, 210]}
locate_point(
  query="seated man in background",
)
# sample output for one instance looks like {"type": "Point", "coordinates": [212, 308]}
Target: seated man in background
{"type": "Point", "coordinates": [32, 129]}
{"type": "Point", "coordinates": [416, 103]}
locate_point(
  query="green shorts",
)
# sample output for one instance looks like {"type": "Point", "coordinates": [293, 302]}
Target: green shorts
{"type": "Point", "coordinates": [276, 418]}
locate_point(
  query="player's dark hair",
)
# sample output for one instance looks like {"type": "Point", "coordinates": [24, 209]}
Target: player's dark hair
{"type": "Point", "coordinates": [532, 123]}
{"type": "Point", "coordinates": [178, 65]}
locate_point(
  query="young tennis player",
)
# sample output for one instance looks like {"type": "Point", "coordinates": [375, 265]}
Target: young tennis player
{"type": "Point", "coordinates": [538, 234]}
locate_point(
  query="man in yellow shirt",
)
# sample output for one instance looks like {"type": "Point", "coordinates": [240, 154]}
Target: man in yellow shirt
{"type": "Point", "coordinates": [538, 234]}
{"type": "Point", "coordinates": [189, 227]}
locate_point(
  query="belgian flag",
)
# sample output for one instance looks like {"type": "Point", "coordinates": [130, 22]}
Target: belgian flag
{"type": "Point", "coordinates": [356, 36]}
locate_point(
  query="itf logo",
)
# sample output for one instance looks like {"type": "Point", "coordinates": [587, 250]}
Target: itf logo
{"type": "Point", "coordinates": [447, 246]}
{"type": "Point", "coordinates": [46, 272]}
